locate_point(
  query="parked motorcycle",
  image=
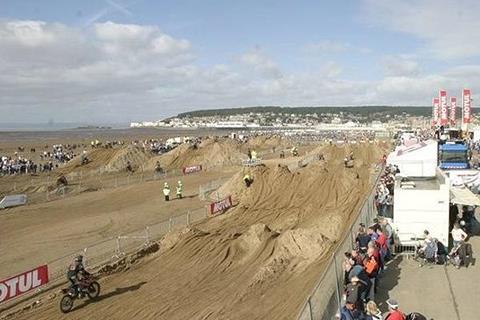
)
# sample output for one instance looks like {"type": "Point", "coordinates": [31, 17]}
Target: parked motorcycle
{"type": "Point", "coordinates": [88, 286]}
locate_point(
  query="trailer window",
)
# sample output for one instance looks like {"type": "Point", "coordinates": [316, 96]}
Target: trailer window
{"type": "Point", "coordinates": [458, 156]}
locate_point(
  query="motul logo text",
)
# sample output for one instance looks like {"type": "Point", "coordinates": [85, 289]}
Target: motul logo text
{"type": "Point", "coordinates": [22, 283]}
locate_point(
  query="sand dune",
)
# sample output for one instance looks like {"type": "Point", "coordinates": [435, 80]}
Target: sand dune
{"type": "Point", "coordinates": [211, 152]}
{"type": "Point", "coordinates": [110, 160]}
{"type": "Point", "coordinates": [257, 261]}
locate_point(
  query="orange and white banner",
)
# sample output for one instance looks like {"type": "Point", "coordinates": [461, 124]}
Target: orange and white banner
{"type": "Point", "coordinates": [453, 110]}
{"type": "Point", "coordinates": [443, 108]}
{"type": "Point", "coordinates": [466, 106]}
{"type": "Point", "coordinates": [435, 118]}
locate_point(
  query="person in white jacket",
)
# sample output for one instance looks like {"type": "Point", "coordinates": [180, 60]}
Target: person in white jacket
{"type": "Point", "coordinates": [457, 234]}
{"type": "Point", "coordinates": [166, 191]}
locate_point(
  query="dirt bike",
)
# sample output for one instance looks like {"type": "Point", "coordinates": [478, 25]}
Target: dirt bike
{"type": "Point", "coordinates": [87, 286]}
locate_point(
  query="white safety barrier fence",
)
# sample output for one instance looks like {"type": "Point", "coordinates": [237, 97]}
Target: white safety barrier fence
{"type": "Point", "coordinates": [205, 189]}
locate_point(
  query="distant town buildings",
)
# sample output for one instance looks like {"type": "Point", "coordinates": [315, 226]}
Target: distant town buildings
{"type": "Point", "coordinates": [324, 121]}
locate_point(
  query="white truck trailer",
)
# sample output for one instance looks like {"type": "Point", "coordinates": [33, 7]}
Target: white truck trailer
{"type": "Point", "coordinates": [422, 203]}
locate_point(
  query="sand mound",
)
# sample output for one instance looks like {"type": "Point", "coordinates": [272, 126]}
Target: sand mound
{"type": "Point", "coordinates": [137, 157]}
{"type": "Point", "coordinates": [240, 265]}
{"type": "Point", "coordinates": [111, 160]}
{"type": "Point", "coordinates": [211, 152]}
{"type": "Point", "coordinates": [97, 158]}
{"type": "Point", "coordinates": [235, 186]}
{"type": "Point", "coordinates": [267, 142]}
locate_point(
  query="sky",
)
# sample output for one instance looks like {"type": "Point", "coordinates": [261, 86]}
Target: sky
{"type": "Point", "coordinates": [113, 61]}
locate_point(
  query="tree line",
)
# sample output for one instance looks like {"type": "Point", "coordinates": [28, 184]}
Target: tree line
{"type": "Point", "coordinates": [360, 111]}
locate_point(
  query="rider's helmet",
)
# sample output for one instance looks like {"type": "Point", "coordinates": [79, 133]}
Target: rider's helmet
{"type": "Point", "coordinates": [179, 182]}
{"type": "Point", "coordinates": [79, 258]}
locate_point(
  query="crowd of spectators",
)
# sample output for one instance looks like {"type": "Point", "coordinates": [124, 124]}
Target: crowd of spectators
{"type": "Point", "coordinates": [432, 251]}
{"type": "Point", "coordinates": [18, 165]}
{"type": "Point", "coordinates": [365, 264]}
{"type": "Point", "coordinates": [384, 192]}
{"type": "Point", "coordinates": [59, 153]}
{"type": "Point", "coordinates": [48, 160]}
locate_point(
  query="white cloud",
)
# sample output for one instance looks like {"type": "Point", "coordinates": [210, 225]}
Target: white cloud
{"type": "Point", "coordinates": [115, 72]}
{"type": "Point", "coordinates": [449, 28]}
{"type": "Point", "coordinates": [327, 46]}
{"type": "Point", "coordinates": [261, 64]}
{"type": "Point", "coordinates": [333, 47]}
{"type": "Point", "coordinates": [331, 69]}
{"type": "Point", "coordinates": [397, 65]}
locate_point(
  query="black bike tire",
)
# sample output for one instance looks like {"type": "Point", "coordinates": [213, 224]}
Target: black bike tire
{"type": "Point", "coordinates": [70, 299]}
{"type": "Point", "coordinates": [96, 285]}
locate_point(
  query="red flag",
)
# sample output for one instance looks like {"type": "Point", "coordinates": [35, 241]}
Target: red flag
{"type": "Point", "coordinates": [443, 108]}
{"type": "Point", "coordinates": [436, 110]}
{"type": "Point", "coordinates": [466, 106]}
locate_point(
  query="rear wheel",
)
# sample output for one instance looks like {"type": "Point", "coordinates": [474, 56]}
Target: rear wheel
{"type": "Point", "coordinates": [66, 304]}
{"type": "Point", "coordinates": [93, 290]}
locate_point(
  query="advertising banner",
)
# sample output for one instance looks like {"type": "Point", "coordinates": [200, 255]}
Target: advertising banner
{"type": "Point", "coordinates": [453, 110]}
{"type": "Point", "coordinates": [436, 109]}
{"type": "Point", "coordinates": [221, 205]}
{"type": "Point", "coordinates": [22, 283]}
{"type": "Point", "coordinates": [443, 108]}
{"type": "Point", "coordinates": [466, 106]}
{"type": "Point", "coordinates": [192, 169]}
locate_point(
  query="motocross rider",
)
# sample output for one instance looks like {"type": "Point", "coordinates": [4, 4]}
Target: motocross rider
{"type": "Point", "coordinates": [76, 271]}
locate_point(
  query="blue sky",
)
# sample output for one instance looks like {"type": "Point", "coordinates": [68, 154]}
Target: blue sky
{"type": "Point", "coordinates": [220, 30]}
{"type": "Point", "coordinates": [170, 56]}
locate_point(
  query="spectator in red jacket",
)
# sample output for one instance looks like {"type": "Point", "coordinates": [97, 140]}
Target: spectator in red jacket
{"type": "Point", "coordinates": [393, 312]}
{"type": "Point", "coordinates": [382, 247]}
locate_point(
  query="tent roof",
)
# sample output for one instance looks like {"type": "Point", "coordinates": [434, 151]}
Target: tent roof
{"type": "Point", "coordinates": [463, 196]}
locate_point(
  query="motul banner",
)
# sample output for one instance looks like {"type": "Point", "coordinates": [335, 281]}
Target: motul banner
{"type": "Point", "coordinates": [443, 108]}
{"type": "Point", "coordinates": [453, 110]}
{"type": "Point", "coordinates": [221, 205]}
{"type": "Point", "coordinates": [436, 107]}
{"type": "Point", "coordinates": [192, 169]}
{"type": "Point", "coordinates": [22, 283]}
{"type": "Point", "coordinates": [466, 106]}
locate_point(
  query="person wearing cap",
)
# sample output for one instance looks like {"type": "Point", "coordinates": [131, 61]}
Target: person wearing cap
{"type": "Point", "coordinates": [393, 312]}
{"type": "Point", "coordinates": [166, 191]}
